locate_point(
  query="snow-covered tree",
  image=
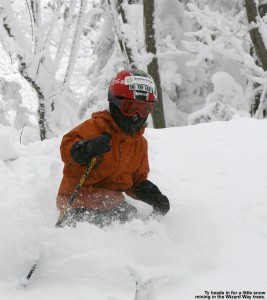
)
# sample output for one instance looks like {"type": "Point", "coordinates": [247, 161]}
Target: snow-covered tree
{"type": "Point", "coordinates": [76, 40]}
{"type": "Point", "coordinates": [226, 101]}
{"type": "Point", "coordinates": [193, 40]}
{"type": "Point", "coordinates": [178, 83]}
{"type": "Point", "coordinates": [153, 66]}
{"type": "Point", "coordinates": [223, 42]}
{"type": "Point", "coordinates": [256, 14]}
{"type": "Point", "coordinates": [106, 59]}
{"type": "Point", "coordinates": [125, 34]}
{"type": "Point", "coordinates": [37, 46]}
{"type": "Point", "coordinates": [117, 45]}
{"type": "Point", "coordinates": [12, 111]}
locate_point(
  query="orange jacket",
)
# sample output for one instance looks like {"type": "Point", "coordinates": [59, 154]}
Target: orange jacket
{"type": "Point", "coordinates": [119, 170]}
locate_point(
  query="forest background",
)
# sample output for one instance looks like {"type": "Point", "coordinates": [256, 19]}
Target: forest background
{"type": "Point", "coordinates": [207, 57]}
{"type": "Point", "coordinates": [209, 61]}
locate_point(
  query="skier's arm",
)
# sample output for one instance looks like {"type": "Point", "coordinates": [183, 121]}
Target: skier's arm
{"type": "Point", "coordinates": [147, 191]}
{"type": "Point", "coordinates": [83, 142]}
{"type": "Point", "coordinates": [83, 150]}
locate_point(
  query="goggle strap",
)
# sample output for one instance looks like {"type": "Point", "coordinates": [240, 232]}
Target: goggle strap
{"type": "Point", "coordinates": [115, 100]}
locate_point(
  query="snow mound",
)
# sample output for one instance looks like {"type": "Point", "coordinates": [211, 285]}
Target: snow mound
{"type": "Point", "coordinates": [213, 238]}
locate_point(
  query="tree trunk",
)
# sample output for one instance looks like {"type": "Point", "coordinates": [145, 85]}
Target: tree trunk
{"type": "Point", "coordinates": [35, 9]}
{"type": "Point", "coordinates": [152, 68]}
{"type": "Point", "coordinates": [41, 99]}
{"type": "Point", "coordinates": [255, 35]}
{"type": "Point", "coordinates": [255, 12]}
{"type": "Point", "coordinates": [7, 25]}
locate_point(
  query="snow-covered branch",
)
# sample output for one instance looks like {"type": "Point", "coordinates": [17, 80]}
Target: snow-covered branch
{"type": "Point", "coordinates": [75, 43]}
{"type": "Point", "coordinates": [65, 34]}
{"type": "Point", "coordinates": [225, 37]}
{"type": "Point", "coordinates": [31, 47]}
{"type": "Point", "coordinates": [121, 38]}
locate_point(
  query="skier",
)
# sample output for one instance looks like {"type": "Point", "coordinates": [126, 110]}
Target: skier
{"type": "Point", "coordinates": [115, 137]}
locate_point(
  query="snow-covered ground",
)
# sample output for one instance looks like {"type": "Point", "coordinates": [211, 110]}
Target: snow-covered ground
{"type": "Point", "coordinates": [213, 239]}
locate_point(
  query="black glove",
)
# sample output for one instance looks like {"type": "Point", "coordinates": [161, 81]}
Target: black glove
{"type": "Point", "coordinates": [161, 205]}
{"type": "Point", "coordinates": [149, 193]}
{"type": "Point", "coordinates": [83, 150]}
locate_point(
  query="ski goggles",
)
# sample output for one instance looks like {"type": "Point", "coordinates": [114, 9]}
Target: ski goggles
{"type": "Point", "coordinates": [131, 107]}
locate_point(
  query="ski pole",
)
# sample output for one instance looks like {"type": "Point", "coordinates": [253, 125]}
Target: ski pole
{"type": "Point", "coordinates": [73, 196]}
{"type": "Point", "coordinates": [67, 208]}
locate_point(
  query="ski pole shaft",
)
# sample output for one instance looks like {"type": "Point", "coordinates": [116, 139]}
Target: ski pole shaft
{"type": "Point", "coordinates": [72, 198]}
{"type": "Point", "coordinates": [31, 271]}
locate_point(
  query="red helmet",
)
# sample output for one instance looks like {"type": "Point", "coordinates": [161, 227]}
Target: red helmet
{"type": "Point", "coordinates": [134, 85]}
{"type": "Point", "coordinates": [133, 91]}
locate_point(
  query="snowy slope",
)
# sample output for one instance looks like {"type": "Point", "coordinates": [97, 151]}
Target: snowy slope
{"type": "Point", "coordinates": [214, 238]}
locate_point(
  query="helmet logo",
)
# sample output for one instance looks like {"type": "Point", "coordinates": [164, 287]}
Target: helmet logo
{"type": "Point", "coordinates": [140, 94]}
{"type": "Point", "coordinates": [128, 80]}
{"type": "Point", "coordinates": [139, 80]}
{"type": "Point", "coordinates": [140, 87]}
